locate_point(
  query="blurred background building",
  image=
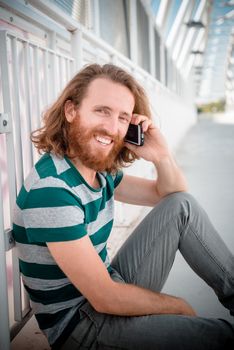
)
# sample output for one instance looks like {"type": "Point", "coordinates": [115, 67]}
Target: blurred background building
{"type": "Point", "coordinates": [181, 51]}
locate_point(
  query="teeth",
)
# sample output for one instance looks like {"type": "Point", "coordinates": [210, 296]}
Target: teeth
{"type": "Point", "coordinates": [103, 140]}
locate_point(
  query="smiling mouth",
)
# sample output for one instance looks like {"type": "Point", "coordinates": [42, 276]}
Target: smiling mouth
{"type": "Point", "coordinates": [105, 141]}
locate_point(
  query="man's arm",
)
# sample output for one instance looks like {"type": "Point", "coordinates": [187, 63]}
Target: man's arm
{"type": "Point", "coordinates": [140, 191]}
{"type": "Point", "coordinates": [85, 269]}
{"type": "Point", "coordinates": [170, 178]}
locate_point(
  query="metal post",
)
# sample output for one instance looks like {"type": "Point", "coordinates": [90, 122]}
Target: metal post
{"type": "Point", "coordinates": [133, 30]}
{"type": "Point", "coordinates": [77, 49]}
{"type": "Point", "coordinates": [152, 47]}
{"type": "Point", "coordinates": [28, 105]}
{"type": "Point", "coordinates": [10, 163]}
{"type": "Point", "coordinates": [4, 324]}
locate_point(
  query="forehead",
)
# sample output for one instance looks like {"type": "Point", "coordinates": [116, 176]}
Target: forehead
{"type": "Point", "coordinates": [104, 91]}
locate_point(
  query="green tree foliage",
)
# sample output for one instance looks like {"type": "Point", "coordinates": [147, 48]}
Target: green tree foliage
{"type": "Point", "coordinates": [212, 107]}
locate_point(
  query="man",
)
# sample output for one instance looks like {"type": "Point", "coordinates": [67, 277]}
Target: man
{"type": "Point", "coordinates": [64, 215]}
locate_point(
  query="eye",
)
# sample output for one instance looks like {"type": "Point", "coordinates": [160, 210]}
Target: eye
{"type": "Point", "coordinates": [99, 110]}
{"type": "Point", "coordinates": [124, 119]}
{"type": "Point", "coordinates": [102, 111]}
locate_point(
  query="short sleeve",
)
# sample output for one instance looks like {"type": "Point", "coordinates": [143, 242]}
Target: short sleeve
{"type": "Point", "coordinates": [117, 178]}
{"type": "Point", "coordinates": [53, 215]}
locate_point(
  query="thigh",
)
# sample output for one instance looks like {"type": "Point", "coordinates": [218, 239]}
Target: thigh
{"type": "Point", "coordinates": [165, 332]}
{"type": "Point", "coordinates": [98, 331]}
{"type": "Point", "coordinates": [147, 255]}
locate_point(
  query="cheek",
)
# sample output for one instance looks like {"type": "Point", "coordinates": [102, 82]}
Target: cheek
{"type": "Point", "coordinates": [123, 130]}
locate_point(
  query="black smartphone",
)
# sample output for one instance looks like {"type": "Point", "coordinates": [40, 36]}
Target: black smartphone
{"type": "Point", "coordinates": [135, 135]}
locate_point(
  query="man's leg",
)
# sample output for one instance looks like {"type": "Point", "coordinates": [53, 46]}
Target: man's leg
{"type": "Point", "coordinates": [145, 259]}
{"type": "Point", "coordinates": [177, 222]}
{"type": "Point", "coordinates": [161, 332]}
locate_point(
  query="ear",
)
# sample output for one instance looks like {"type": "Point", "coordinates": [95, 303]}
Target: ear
{"type": "Point", "coordinates": [70, 111]}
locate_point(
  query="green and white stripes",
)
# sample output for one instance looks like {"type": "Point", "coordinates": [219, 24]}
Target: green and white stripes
{"type": "Point", "coordinates": [56, 204]}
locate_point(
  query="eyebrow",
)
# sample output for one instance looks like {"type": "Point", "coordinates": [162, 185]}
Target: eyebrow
{"type": "Point", "coordinates": [110, 109]}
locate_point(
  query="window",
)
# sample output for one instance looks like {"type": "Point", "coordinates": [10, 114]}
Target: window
{"type": "Point", "coordinates": [175, 5]}
{"type": "Point", "coordinates": [113, 18]}
{"type": "Point", "coordinates": [157, 55]}
{"type": "Point", "coordinates": [155, 6]}
{"type": "Point", "coordinates": [142, 37]}
{"type": "Point", "coordinates": [77, 9]}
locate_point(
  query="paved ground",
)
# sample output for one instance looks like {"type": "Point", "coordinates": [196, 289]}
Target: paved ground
{"type": "Point", "coordinates": [206, 155]}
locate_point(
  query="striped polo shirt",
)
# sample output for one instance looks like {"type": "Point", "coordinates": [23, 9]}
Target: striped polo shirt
{"type": "Point", "coordinates": [57, 204]}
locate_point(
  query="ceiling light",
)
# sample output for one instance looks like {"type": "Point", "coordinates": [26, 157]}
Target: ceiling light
{"type": "Point", "coordinates": [197, 52]}
{"type": "Point", "coordinates": [195, 24]}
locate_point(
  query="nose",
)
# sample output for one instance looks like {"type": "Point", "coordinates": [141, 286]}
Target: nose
{"type": "Point", "coordinates": [112, 125]}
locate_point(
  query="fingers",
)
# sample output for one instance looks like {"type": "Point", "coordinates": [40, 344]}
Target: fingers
{"type": "Point", "coordinates": [145, 121]}
{"type": "Point", "coordinates": [130, 146]}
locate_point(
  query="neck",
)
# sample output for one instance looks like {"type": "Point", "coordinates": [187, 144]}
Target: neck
{"type": "Point", "coordinates": [88, 174]}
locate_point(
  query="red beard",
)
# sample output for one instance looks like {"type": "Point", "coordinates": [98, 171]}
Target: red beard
{"type": "Point", "coordinates": [79, 147]}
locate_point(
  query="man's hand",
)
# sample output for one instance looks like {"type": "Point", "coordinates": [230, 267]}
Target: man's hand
{"type": "Point", "coordinates": [170, 178]}
{"type": "Point", "coordinates": [186, 309]}
{"type": "Point", "coordinates": [155, 146]}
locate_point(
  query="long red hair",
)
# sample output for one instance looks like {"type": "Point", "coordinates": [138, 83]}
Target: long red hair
{"type": "Point", "coordinates": [53, 135]}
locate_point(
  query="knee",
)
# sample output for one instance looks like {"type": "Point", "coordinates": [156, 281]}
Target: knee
{"type": "Point", "coordinates": [179, 196]}
{"type": "Point", "coordinates": [184, 199]}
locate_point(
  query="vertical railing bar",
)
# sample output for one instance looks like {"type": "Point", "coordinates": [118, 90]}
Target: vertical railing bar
{"type": "Point", "coordinates": [27, 93]}
{"type": "Point", "coordinates": [32, 156]}
{"type": "Point", "coordinates": [4, 325]}
{"type": "Point", "coordinates": [37, 84]}
{"type": "Point", "coordinates": [71, 64]}
{"type": "Point", "coordinates": [17, 295]}
{"type": "Point", "coordinates": [46, 77]}
{"type": "Point", "coordinates": [54, 75]}
{"type": "Point", "coordinates": [37, 87]}
{"type": "Point", "coordinates": [18, 139]}
{"type": "Point", "coordinates": [68, 69]}
{"type": "Point", "coordinates": [38, 107]}
{"type": "Point", "coordinates": [77, 43]}
{"type": "Point", "coordinates": [60, 67]}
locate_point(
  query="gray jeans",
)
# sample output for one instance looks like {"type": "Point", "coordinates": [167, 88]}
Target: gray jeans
{"type": "Point", "coordinates": [145, 259]}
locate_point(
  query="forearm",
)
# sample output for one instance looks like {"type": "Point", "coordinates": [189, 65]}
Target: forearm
{"type": "Point", "coordinates": [170, 177]}
{"type": "Point", "coordinates": [131, 300]}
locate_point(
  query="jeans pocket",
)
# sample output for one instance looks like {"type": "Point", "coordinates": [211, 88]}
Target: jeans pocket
{"type": "Point", "coordinates": [86, 332]}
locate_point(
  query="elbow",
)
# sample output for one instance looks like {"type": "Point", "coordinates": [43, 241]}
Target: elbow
{"type": "Point", "coordinates": [183, 188]}
{"type": "Point", "coordinates": [179, 189]}
{"type": "Point", "coordinates": [97, 303]}
{"type": "Point", "coordinates": [103, 307]}
{"type": "Point", "coordinates": [174, 190]}
{"type": "Point", "coordinates": [103, 301]}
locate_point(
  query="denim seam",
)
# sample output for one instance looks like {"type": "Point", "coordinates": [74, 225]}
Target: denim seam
{"type": "Point", "coordinates": [209, 252]}
{"type": "Point", "coordinates": [91, 317]}
{"type": "Point", "coordinates": [148, 252]}
{"type": "Point", "coordinates": [110, 346]}
{"type": "Point", "coordinates": [75, 340]}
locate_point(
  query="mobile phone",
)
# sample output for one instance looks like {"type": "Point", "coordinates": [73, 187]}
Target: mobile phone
{"type": "Point", "coordinates": [135, 135]}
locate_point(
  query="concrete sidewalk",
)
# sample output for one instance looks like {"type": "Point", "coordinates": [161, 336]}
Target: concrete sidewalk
{"type": "Point", "coordinates": [206, 155]}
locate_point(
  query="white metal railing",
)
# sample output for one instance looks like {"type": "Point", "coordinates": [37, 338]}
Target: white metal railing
{"type": "Point", "coordinates": [31, 77]}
